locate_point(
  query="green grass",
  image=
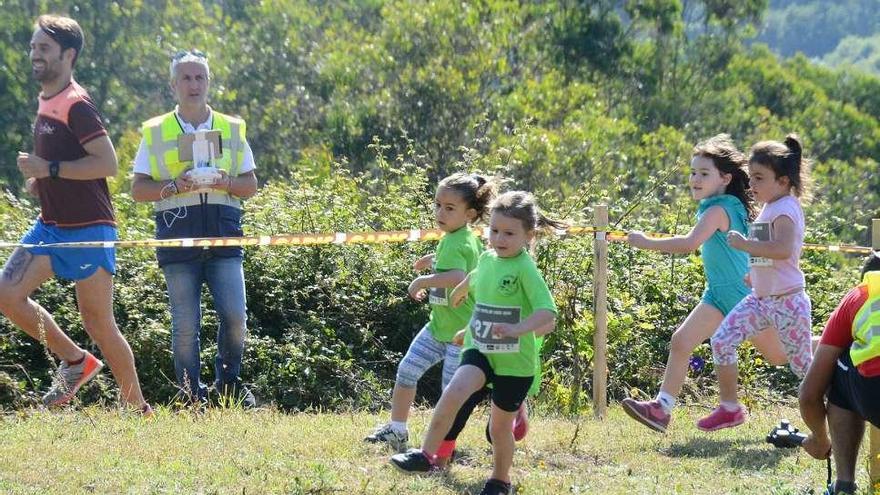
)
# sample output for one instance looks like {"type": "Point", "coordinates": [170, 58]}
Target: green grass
{"type": "Point", "coordinates": [231, 451]}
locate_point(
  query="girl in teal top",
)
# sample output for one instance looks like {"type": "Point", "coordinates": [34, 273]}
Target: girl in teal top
{"type": "Point", "coordinates": [513, 308]}
{"type": "Point", "coordinates": [461, 199]}
{"type": "Point", "coordinates": [721, 185]}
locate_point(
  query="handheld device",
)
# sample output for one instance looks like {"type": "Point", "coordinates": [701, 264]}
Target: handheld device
{"type": "Point", "coordinates": [785, 436]}
{"type": "Point", "coordinates": [203, 174]}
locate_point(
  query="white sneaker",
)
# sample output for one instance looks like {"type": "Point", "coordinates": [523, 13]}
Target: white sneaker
{"type": "Point", "coordinates": [386, 434]}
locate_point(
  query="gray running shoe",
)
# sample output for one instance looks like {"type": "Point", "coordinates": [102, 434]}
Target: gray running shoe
{"type": "Point", "coordinates": [70, 378]}
{"type": "Point", "coordinates": [384, 433]}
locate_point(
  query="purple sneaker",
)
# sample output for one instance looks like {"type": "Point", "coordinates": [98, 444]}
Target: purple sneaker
{"type": "Point", "coordinates": [647, 412]}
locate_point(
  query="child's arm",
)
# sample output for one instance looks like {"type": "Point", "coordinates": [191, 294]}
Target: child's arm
{"type": "Point", "coordinates": [447, 279]}
{"type": "Point", "coordinates": [545, 329]}
{"type": "Point", "coordinates": [542, 320]}
{"type": "Point", "coordinates": [460, 292]}
{"type": "Point", "coordinates": [780, 248]}
{"type": "Point", "coordinates": [714, 219]}
{"type": "Point", "coordinates": [424, 263]}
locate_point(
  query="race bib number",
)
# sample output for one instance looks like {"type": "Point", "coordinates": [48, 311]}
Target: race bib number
{"type": "Point", "coordinates": [437, 296]}
{"type": "Point", "coordinates": [759, 232]}
{"type": "Point", "coordinates": [485, 316]}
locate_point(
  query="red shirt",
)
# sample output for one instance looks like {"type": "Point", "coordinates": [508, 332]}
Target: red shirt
{"type": "Point", "coordinates": [65, 122]}
{"type": "Point", "coordinates": [838, 330]}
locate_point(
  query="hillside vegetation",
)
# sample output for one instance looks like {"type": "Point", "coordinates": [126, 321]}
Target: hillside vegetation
{"type": "Point", "coordinates": [356, 108]}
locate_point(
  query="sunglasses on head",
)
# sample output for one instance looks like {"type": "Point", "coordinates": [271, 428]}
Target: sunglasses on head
{"type": "Point", "coordinates": [195, 53]}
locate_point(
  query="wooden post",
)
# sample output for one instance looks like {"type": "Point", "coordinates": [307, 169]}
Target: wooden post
{"type": "Point", "coordinates": [600, 312]}
{"type": "Point", "coordinates": [874, 462]}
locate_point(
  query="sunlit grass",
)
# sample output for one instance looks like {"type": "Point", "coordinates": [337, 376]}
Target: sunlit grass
{"type": "Point", "coordinates": [233, 451]}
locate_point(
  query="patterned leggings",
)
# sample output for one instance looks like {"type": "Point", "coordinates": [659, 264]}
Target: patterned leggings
{"type": "Point", "coordinates": [426, 351]}
{"type": "Point", "coordinates": [789, 314]}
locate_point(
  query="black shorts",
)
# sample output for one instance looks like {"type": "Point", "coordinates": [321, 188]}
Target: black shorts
{"type": "Point", "coordinates": [508, 392]}
{"type": "Point", "coordinates": [851, 391]}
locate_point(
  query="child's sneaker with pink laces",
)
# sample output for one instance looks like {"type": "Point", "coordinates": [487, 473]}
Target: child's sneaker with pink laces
{"type": "Point", "coordinates": [647, 412]}
{"type": "Point", "coordinates": [721, 418]}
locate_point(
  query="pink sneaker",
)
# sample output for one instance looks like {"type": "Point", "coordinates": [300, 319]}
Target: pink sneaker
{"type": "Point", "coordinates": [721, 418]}
{"type": "Point", "coordinates": [647, 412]}
{"type": "Point", "coordinates": [521, 423]}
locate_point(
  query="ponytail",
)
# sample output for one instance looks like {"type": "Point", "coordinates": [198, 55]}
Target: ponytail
{"type": "Point", "coordinates": [785, 159]}
{"type": "Point", "coordinates": [545, 223]}
{"type": "Point", "coordinates": [521, 205]}
{"type": "Point", "coordinates": [794, 145]}
{"type": "Point", "coordinates": [475, 190]}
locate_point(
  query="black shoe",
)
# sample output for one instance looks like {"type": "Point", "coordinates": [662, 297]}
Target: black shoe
{"type": "Point", "coordinates": [235, 394]}
{"type": "Point", "coordinates": [496, 487]}
{"type": "Point", "coordinates": [836, 489]}
{"type": "Point", "coordinates": [413, 461]}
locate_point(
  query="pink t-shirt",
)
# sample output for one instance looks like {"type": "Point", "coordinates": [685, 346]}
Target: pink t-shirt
{"type": "Point", "coordinates": [780, 276]}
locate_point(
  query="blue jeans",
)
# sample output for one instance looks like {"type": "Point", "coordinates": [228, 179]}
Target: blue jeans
{"type": "Point", "coordinates": [225, 279]}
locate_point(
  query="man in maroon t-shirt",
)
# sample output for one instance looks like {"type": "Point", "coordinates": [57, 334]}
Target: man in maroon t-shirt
{"type": "Point", "coordinates": [67, 171]}
{"type": "Point", "coordinates": [853, 392]}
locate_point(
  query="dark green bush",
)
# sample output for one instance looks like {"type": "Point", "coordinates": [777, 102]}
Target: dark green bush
{"type": "Point", "coordinates": [328, 324]}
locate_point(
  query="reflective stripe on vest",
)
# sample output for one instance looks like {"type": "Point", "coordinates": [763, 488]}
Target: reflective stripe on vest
{"type": "Point", "coordinates": [192, 199]}
{"type": "Point", "coordinates": [866, 324]}
{"type": "Point", "coordinates": [160, 136]}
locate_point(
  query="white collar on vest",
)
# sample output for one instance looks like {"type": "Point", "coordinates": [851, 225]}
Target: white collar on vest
{"type": "Point", "coordinates": [189, 128]}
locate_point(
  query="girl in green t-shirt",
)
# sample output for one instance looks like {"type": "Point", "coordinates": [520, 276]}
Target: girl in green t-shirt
{"type": "Point", "coordinates": [460, 199]}
{"type": "Point", "coordinates": [512, 305]}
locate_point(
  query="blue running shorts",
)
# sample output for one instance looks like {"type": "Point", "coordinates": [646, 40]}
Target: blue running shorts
{"type": "Point", "coordinates": [73, 263]}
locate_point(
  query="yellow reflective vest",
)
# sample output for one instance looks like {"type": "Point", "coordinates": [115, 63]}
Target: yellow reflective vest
{"type": "Point", "coordinates": [160, 136]}
{"type": "Point", "coordinates": [866, 325]}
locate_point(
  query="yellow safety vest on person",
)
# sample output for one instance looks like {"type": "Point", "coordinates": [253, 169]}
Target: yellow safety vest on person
{"type": "Point", "coordinates": [160, 136]}
{"type": "Point", "coordinates": [866, 324]}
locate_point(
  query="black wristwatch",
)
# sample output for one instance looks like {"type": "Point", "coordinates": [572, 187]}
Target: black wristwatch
{"type": "Point", "coordinates": [54, 166]}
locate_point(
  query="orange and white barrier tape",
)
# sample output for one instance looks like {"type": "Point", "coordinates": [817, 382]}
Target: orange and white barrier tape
{"type": "Point", "coordinates": [375, 237]}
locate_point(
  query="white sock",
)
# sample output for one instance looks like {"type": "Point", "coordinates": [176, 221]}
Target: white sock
{"type": "Point", "coordinates": [398, 426]}
{"type": "Point", "coordinates": [730, 406]}
{"type": "Point", "coordinates": [667, 401]}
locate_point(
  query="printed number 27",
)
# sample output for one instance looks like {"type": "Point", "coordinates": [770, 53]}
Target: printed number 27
{"type": "Point", "coordinates": [483, 329]}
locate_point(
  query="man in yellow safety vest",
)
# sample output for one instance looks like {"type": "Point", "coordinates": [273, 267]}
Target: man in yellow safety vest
{"type": "Point", "coordinates": [187, 207]}
{"type": "Point", "coordinates": [846, 372]}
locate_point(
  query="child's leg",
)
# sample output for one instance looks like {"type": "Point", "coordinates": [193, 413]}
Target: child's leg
{"type": "Point", "coordinates": [501, 428]}
{"type": "Point", "coordinates": [451, 361]}
{"type": "Point", "coordinates": [743, 322]}
{"type": "Point", "coordinates": [424, 351]}
{"type": "Point", "coordinates": [467, 380]}
{"type": "Point", "coordinates": [521, 422]}
{"type": "Point", "coordinates": [697, 327]}
{"type": "Point", "coordinates": [508, 395]}
{"type": "Point", "coordinates": [444, 453]}
{"type": "Point", "coordinates": [791, 315]}
{"type": "Point", "coordinates": [450, 364]}
{"type": "Point", "coordinates": [767, 342]}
